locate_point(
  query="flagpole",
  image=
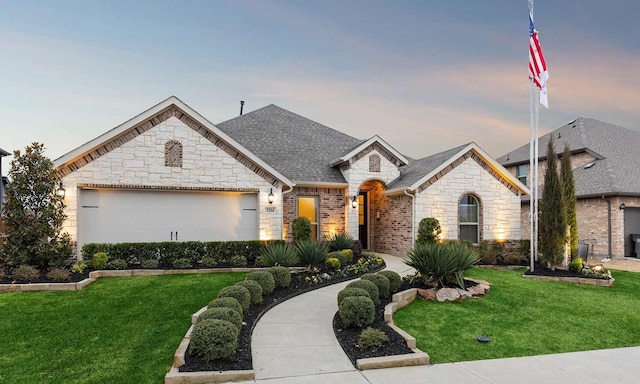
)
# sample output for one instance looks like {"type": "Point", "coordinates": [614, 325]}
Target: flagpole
{"type": "Point", "coordinates": [532, 171]}
{"type": "Point", "coordinates": [536, 156]}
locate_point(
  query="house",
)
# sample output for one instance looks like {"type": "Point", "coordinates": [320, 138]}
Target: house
{"type": "Point", "coordinates": [169, 174]}
{"type": "Point", "coordinates": [606, 171]}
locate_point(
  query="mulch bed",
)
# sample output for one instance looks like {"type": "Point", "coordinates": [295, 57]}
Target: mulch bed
{"type": "Point", "coordinates": [348, 337]}
{"type": "Point", "coordinates": [542, 270]}
{"type": "Point", "coordinates": [242, 359]}
{"type": "Point", "coordinates": [73, 278]}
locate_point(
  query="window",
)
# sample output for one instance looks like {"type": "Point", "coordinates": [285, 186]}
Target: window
{"type": "Point", "coordinates": [308, 207]}
{"type": "Point", "coordinates": [469, 218]}
{"type": "Point", "coordinates": [374, 163]}
{"type": "Point", "coordinates": [521, 173]}
{"type": "Point", "coordinates": [173, 154]}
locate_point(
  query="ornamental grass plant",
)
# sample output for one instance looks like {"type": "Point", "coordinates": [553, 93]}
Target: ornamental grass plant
{"type": "Point", "coordinates": [442, 264]}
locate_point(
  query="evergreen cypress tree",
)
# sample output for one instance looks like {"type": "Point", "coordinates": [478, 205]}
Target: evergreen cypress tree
{"type": "Point", "coordinates": [569, 195]}
{"type": "Point", "coordinates": [553, 222]}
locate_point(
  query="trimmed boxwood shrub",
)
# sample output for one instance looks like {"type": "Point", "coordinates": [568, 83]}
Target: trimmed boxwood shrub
{"type": "Point", "coordinates": [351, 292]}
{"type": "Point", "coordinates": [213, 339]}
{"type": "Point", "coordinates": [227, 302]}
{"type": "Point", "coordinates": [349, 254]}
{"type": "Point", "coordinates": [222, 313]}
{"type": "Point", "coordinates": [281, 276]}
{"type": "Point", "coordinates": [341, 256]}
{"type": "Point", "coordinates": [372, 338]}
{"type": "Point", "coordinates": [380, 281]}
{"type": "Point", "coordinates": [265, 279]}
{"type": "Point", "coordinates": [100, 260]}
{"type": "Point", "coordinates": [395, 281]}
{"type": "Point", "coordinates": [332, 263]}
{"type": "Point", "coordinates": [255, 290]}
{"type": "Point", "coordinates": [239, 293]}
{"type": "Point", "coordinates": [368, 286]}
{"type": "Point", "coordinates": [357, 311]}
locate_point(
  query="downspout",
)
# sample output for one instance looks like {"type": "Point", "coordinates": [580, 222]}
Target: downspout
{"type": "Point", "coordinates": [413, 216]}
{"type": "Point", "coordinates": [608, 224]}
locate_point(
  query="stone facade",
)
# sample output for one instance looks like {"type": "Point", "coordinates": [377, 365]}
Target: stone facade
{"type": "Point", "coordinates": [140, 163]}
{"type": "Point", "coordinates": [332, 204]}
{"type": "Point", "coordinates": [499, 205]}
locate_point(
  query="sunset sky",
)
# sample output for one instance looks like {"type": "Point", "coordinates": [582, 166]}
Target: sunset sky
{"type": "Point", "coordinates": [424, 75]}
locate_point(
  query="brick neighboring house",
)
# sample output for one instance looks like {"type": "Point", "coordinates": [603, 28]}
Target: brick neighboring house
{"type": "Point", "coordinates": [606, 170]}
{"type": "Point", "coordinates": [169, 174]}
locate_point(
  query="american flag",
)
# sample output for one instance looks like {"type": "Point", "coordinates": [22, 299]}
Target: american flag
{"type": "Point", "coordinates": [537, 66]}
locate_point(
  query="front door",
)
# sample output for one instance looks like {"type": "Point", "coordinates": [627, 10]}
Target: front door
{"type": "Point", "coordinates": [631, 226]}
{"type": "Point", "coordinates": [363, 220]}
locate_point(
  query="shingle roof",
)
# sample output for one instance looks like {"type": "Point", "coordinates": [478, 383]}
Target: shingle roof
{"type": "Point", "coordinates": [417, 169]}
{"type": "Point", "coordinates": [617, 149]}
{"type": "Point", "coordinates": [3, 153]}
{"type": "Point", "coordinates": [297, 147]}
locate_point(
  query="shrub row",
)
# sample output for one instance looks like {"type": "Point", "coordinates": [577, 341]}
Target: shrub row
{"type": "Point", "coordinates": [170, 254]}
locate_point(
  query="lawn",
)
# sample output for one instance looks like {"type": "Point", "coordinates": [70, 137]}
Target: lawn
{"type": "Point", "coordinates": [527, 317]}
{"type": "Point", "coordinates": [117, 330]}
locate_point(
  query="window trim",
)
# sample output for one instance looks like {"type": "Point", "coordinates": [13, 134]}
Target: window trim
{"type": "Point", "coordinates": [477, 223]}
{"type": "Point", "coordinates": [520, 176]}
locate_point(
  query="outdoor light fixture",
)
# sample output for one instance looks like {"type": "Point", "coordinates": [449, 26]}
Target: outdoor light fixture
{"type": "Point", "coordinates": [623, 206]}
{"type": "Point", "coordinates": [60, 191]}
{"type": "Point", "coordinates": [354, 202]}
{"type": "Point", "coordinates": [270, 196]}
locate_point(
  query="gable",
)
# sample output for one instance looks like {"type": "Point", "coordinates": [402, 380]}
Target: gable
{"type": "Point", "coordinates": [168, 109]}
{"type": "Point", "coordinates": [373, 144]}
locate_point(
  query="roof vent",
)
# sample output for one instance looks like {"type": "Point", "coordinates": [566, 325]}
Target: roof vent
{"type": "Point", "coordinates": [589, 165]}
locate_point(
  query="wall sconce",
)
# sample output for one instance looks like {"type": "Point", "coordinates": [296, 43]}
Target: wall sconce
{"type": "Point", "coordinates": [270, 197]}
{"type": "Point", "coordinates": [354, 202]}
{"type": "Point", "coordinates": [622, 206]}
{"type": "Point", "coordinates": [60, 191]}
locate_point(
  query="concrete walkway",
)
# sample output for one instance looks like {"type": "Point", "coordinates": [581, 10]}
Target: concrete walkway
{"type": "Point", "coordinates": [294, 343]}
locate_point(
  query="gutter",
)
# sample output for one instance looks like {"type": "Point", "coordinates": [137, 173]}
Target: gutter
{"type": "Point", "coordinates": [413, 216]}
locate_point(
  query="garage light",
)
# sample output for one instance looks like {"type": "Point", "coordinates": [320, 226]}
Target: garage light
{"type": "Point", "coordinates": [622, 206]}
{"type": "Point", "coordinates": [60, 191]}
{"type": "Point", "coordinates": [270, 197]}
{"type": "Point", "coordinates": [354, 202]}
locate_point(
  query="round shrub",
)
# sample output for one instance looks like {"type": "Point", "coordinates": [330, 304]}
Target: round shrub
{"type": "Point", "coordinates": [25, 273]}
{"type": "Point", "coordinates": [118, 264]}
{"type": "Point", "coordinates": [255, 290]}
{"type": "Point", "coordinates": [351, 292]}
{"type": "Point", "coordinates": [213, 339]}
{"type": "Point", "coordinates": [222, 313]}
{"type": "Point", "coordinates": [281, 276]}
{"type": "Point", "coordinates": [349, 254]}
{"type": "Point", "coordinates": [368, 286]}
{"type": "Point", "coordinates": [58, 274]}
{"type": "Point", "coordinates": [380, 281]}
{"type": "Point", "coordinates": [372, 338]}
{"type": "Point", "coordinates": [332, 263]}
{"type": "Point", "coordinates": [265, 279]}
{"type": "Point", "coordinates": [357, 311]}
{"type": "Point", "coordinates": [340, 256]}
{"type": "Point", "coordinates": [227, 302]}
{"type": "Point", "coordinates": [100, 260]}
{"type": "Point", "coordinates": [239, 293]}
{"type": "Point", "coordinates": [395, 281]}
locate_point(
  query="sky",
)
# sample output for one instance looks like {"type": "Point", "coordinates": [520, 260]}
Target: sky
{"type": "Point", "coordinates": [426, 75]}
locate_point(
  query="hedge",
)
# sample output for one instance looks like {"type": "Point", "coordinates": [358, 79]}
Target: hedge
{"type": "Point", "coordinates": [166, 252]}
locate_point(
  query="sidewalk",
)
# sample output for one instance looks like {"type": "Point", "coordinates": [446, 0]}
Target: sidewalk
{"type": "Point", "coordinates": [294, 343]}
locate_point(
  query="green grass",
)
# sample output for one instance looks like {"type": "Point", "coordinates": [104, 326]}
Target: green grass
{"type": "Point", "coordinates": [526, 317]}
{"type": "Point", "coordinates": [116, 330]}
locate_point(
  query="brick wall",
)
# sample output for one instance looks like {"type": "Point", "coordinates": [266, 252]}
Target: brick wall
{"type": "Point", "coordinates": [393, 230]}
{"type": "Point", "coordinates": [331, 207]}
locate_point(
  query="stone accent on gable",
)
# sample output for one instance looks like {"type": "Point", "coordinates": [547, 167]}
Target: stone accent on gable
{"type": "Point", "coordinates": [469, 155]}
{"type": "Point", "coordinates": [358, 172]}
{"type": "Point", "coordinates": [170, 112]}
{"type": "Point", "coordinates": [500, 205]}
{"type": "Point", "coordinates": [140, 163]}
{"type": "Point", "coordinates": [331, 209]}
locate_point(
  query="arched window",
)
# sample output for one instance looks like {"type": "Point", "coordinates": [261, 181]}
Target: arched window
{"type": "Point", "coordinates": [469, 218]}
{"type": "Point", "coordinates": [374, 163]}
{"type": "Point", "coordinates": [173, 154]}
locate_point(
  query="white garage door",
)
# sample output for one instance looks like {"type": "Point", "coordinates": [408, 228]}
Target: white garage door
{"type": "Point", "coordinates": [114, 216]}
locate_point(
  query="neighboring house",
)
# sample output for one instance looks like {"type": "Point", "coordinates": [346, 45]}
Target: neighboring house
{"type": "Point", "coordinates": [3, 180]}
{"type": "Point", "coordinates": [169, 174]}
{"type": "Point", "coordinates": [606, 170]}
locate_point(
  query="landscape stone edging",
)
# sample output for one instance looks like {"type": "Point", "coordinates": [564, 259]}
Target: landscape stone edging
{"type": "Point", "coordinates": [575, 280]}
{"type": "Point", "coordinates": [418, 357]}
{"type": "Point", "coordinates": [94, 275]}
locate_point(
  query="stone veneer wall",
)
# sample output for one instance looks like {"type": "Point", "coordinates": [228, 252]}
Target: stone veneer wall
{"type": "Point", "coordinates": [331, 209]}
{"type": "Point", "coordinates": [500, 205]}
{"type": "Point", "coordinates": [140, 163]}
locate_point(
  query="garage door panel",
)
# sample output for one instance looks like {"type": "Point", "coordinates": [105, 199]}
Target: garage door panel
{"type": "Point", "coordinates": [134, 216]}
